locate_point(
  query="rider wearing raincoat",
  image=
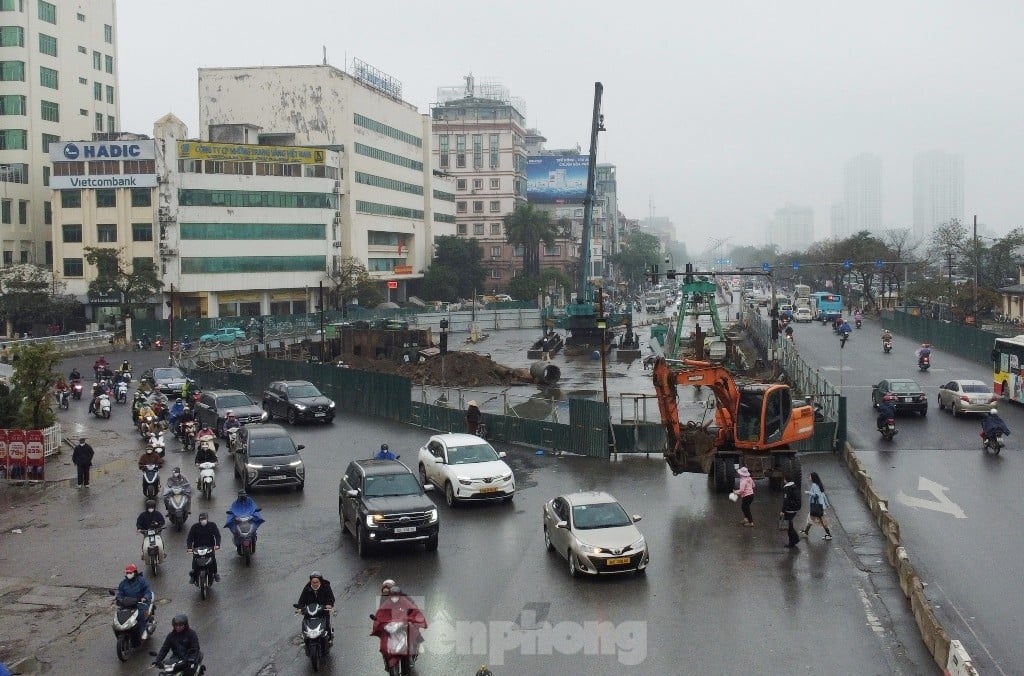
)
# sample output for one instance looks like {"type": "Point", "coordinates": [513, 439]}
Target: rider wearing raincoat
{"type": "Point", "coordinates": [243, 506]}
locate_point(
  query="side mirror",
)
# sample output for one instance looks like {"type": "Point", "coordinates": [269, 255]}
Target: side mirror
{"type": "Point", "coordinates": [300, 447]}
{"type": "Point", "coordinates": [373, 617]}
{"type": "Point", "coordinates": [352, 493]}
{"type": "Point", "coordinates": [637, 517]}
{"type": "Point", "coordinates": [502, 454]}
{"type": "Point", "coordinates": [428, 487]}
{"type": "Point", "coordinates": [562, 524]}
{"type": "Point", "coordinates": [439, 459]}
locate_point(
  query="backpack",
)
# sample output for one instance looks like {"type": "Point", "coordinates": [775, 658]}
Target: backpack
{"type": "Point", "coordinates": [816, 508]}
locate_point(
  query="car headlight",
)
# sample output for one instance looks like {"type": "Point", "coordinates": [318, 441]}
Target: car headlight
{"type": "Point", "coordinates": [639, 544]}
{"type": "Point", "coordinates": [507, 477]}
{"type": "Point", "coordinates": [330, 405]}
{"type": "Point", "coordinates": [264, 416]}
{"type": "Point", "coordinates": [590, 549]}
{"type": "Point", "coordinates": [374, 520]}
{"type": "Point", "coordinates": [297, 463]}
{"type": "Point", "coordinates": [433, 515]}
{"type": "Point", "coordinates": [465, 481]}
{"type": "Point", "coordinates": [300, 407]}
{"type": "Point", "coordinates": [252, 465]}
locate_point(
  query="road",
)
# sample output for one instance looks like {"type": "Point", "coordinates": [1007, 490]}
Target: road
{"type": "Point", "coordinates": [957, 505]}
{"type": "Point", "coordinates": [718, 598]}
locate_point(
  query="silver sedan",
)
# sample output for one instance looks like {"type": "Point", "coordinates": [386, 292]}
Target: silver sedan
{"type": "Point", "coordinates": [966, 396]}
{"type": "Point", "coordinates": [594, 534]}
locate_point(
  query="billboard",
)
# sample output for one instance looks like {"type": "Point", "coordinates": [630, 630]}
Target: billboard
{"type": "Point", "coordinates": [83, 151]}
{"type": "Point", "coordinates": [557, 179]}
{"type": "Point", "coordinates": [236, 152]}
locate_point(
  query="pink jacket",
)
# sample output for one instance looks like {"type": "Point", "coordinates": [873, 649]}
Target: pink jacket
{"type": "Point", "coordinates": [746, 487]}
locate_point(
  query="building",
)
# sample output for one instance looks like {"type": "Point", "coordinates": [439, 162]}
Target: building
{"type": "Point", "coordinates": [838, 221]}
{"type": "Point", "coordinates": [58, 79]}
{"type": "Point", "coordinates": [862, 194]}
{"type": "Point", "coordinates": [391, 203]}
{"type": "Point", "coordinates": [792, 228]}
{"type": "Point", "coordinates": [938, 190]}
{"type": "Point", "coordinates": [479, 140]}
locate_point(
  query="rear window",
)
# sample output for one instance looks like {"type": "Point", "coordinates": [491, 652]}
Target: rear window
{"type": "Point", "coordinates": [264, 446]}
{"type": "Point", "coordinates": [976, 388]}
{"type": "Point", "coordinates": [904, 386]}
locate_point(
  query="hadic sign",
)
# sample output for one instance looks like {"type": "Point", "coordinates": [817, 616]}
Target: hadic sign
{"type": "Point", "coordinates": [86, 151]}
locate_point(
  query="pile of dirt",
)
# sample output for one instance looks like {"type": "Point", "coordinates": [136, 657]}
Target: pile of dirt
{"type": "Point", "coordinates": [461, 369]}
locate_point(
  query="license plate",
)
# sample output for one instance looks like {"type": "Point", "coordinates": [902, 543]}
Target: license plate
{"type": "Point", "coordinates": [906, 399]}
{"type": "Point", "coordinates": [278, 477]}
{"type": "Point", "coordinates": [319, 415]}
{"type": "Point", "coordinates": [621, 561]}
{"type": "Point", "coordinates": [406, 529]}
{"type": "Point", "coordinates": [489, 489]}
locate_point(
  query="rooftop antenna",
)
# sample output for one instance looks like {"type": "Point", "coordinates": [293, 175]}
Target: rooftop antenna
{"type": "Point", "coordinates": [470, 85]}
{"type": "Point", "coordinates": [325, 55]}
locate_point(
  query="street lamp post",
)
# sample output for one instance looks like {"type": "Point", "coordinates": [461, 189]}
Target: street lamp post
{"type": "Point", "coordinates": [444, 347]}
{"type": "Point", "coordinates": [323, 337]}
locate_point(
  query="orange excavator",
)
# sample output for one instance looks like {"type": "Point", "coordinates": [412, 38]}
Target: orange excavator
{"type": "Point", "coordinates": [754, 426]}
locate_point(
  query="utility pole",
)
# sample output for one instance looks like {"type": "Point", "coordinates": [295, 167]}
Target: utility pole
{"type": "Point", "coordinates": [323, 337]}
{"type": "Point", "coordinates": [170, 329]}
{"type": "Point", "coordinates": [974, 304]}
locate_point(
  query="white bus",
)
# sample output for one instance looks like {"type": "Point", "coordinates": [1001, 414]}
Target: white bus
{"type": "Point", "coordinates": [1007, 362]}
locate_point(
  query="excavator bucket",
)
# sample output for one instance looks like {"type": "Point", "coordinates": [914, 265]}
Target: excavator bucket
{"type": "Point", "coordinates": [693, 450]}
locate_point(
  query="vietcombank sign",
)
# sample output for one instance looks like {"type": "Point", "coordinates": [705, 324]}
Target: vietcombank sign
{"type": "Point", "coordinates": [103, 164]}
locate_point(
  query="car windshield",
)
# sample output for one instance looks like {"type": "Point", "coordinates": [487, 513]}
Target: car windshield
{"type": "Point", "coordinates": [903, 386]}
{"type": "Point", "coordinates": [167, 373]}
{"type": "Point", "coordinates": [386, 485]}
{"type": "Point", "coordinates": [602, 515]}
{"type": "Point", "coordinates": [264, 446]}
{"type": "Point", "coordinates": [231, 400]}
{"type": "Point", "coordinates": [303, 391]}
{"type": "Point", "coordinates": [465, 455]}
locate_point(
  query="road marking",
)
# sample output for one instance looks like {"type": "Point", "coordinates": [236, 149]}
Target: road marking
{"type": "Point", "coordinates": [872, 619]}
{"type": "Point", "coordinates": [940, 504]}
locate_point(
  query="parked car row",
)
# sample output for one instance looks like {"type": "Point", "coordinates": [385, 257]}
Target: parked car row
{"type": "Point", "coordinates": [958, 396]}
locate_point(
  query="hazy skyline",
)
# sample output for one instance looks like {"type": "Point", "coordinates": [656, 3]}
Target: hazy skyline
{"type": "Point", "coordinates": [717, 113]}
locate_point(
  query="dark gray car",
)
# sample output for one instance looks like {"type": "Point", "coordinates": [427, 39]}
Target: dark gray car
{"type": "Point", "coordinates": [214, 405]}
{"type": "Point", "coordinates": [297, 400]}
{"type": "Point", "coordinates": [267, 457]}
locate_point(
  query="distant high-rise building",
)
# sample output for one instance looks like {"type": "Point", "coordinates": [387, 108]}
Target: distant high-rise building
{"type": "Point", "coordinates": [792, 228]}
{"type": "Point", "coordinates": [938, 190]}
{"type": "Point", "coordinates": [862, 193]}
{"type": "Point", "coordinates": [839, 230]}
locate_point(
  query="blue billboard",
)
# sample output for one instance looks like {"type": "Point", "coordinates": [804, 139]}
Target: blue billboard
{"type": "Point", "coordinates": [557, 179]}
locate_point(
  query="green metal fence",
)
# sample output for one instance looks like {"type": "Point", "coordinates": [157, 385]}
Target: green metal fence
{"type": "Point", "coordinates": [959, 339]}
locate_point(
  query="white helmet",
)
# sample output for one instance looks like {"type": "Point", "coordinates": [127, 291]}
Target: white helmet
{"type": "Point", "coordinates": [993, 412]}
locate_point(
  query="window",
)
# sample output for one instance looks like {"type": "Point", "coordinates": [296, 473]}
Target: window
{"type": "Point", "coordinates": [142, 232]}
{"type": "Point", "coordinates": [460, 207]}
{"type": "Point", "coordinates": [444, 218]}
{"type": "Point", "coordinates": [80, 16]}
{"type": "Point", "coordinates": [5, 212]}
{"type": "Point", "coordinates": [107, 197]}
{"type": "Point", "coordinates": [108, 64]}
{"type": "Point", "coordinates": [97, 61]}
{"type": "Point", "coordinates": [142, 167]}
{"type": "Point", "coordinates": [99, 121]}
{"type": "Point", "coordinates": [388, 183]}
{"type": "Point", "coordinates": [381, 128]}
{"type": "Point", "coordinates": [9, 5]}
{"type": "Point", "coordinates": [478, 157]}
{"type": "Point", "coordinates": [495, 184]}
{"type": "Point", "coordinates": [12, 104]}
{"type": "Point", "coordinates": [13, 139]}
{"type": "Point", "coordinates": [47, 213]}
{"type": "Point", "coordinates": [82, 50]}
{"type": "Point", "coordinates": [47, 12]}
{"type": "Point", "coordinates": [8, 257]}
{"type": "Point", "coordinates": [73, 267]}
{"type": "Point", "coordinates": [143, 264]}
{"type": "Point", "coordinates": [72, 232]}
{"type": "Point", "coordinates": [495, 206]}
{"type": "Point", "coordinates": [495, 252]}
{"type": "Point", "coordinates": [257, 264]}
{"type": "Point", "coordinates": [13, 36]}
{"type": "Point", "coordinates": [255, 231]}
{"type": "Point", "coordinates": [478, 183]}
{"type": "Point", "coordinates": [444, 196]}
{"type": "Point", "coordinates": [552, 250]}
{"type": "Point", "coordinates": [110, 94]}
{"type": "Point", "coordinates": [106, 232]}
{"type": "Point", "coordinates": [460, 184]}
{"type": "Point", "coordinates": [493, 150]}
{"type": "Point", "coordinates": [142, 197]}
{"type": "Point", "coordinates": [47, 44]}
{"type": "Point", "coordinates": [108, 34]}
{"type": "Point", "coordinates": [83, 112]}
{"type": "Point", "coordinates": [82, 80]}
{"type": "Point", "coordinates": [50, 112]}
{"type": "Point", "coordinates": [70, 199]}
{"type": "Point", "coordinates": [12, 71]}
{"type": "Point", "coordinates": [385, 156]}
{"type": "Point", "coordinates": [97, 91]}
{"type": "Point", "coordinates": [478, 229]}
{"type": "Point", "coordinates": [46, 176]}
{"type": "Point", "coordinates": [22, 212]}
{"type": "Point", "coordinates": [495, 229]}
{"type": "Point", "coordinates": [194, 197]}
{"type": "Point", "coordinates": [478, 207]}
{"type": "Point", "coordinates": [518, 250]}
{"type": "Point", "coordinates": [460, 151]}
{"type": "Point", "coordinates": [104, 167]}
{"type": "Point", "coordinates": [111, 127]}
{"type": "Point", "coordinates": [69, 168]}
{"type": "Point", "coordinates": [387, 210]}
{"type": "Point", "coordinates": [47, 140]}
{"type": "Point", "coordinates": [48, 77]}
{"type": "Point", "coordinates": [495, 273]}
{"type": "Point", "coordinates": [461, 229]}
{"type": "Point", "coordinates": [442, 143]}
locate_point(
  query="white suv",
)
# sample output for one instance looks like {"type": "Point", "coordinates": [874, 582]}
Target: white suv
{"type": "Point", "coordinates": [465, 467]}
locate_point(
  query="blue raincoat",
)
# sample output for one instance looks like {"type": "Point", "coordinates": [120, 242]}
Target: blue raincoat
{"type": "Point", "coordinates": [243, 507]}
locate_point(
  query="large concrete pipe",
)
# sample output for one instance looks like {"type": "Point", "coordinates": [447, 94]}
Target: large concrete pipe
{"type": "Point", "coordinates": [545, 373]}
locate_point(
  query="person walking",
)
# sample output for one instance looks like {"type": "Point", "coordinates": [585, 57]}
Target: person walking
{"type": "Point", "coordinates": [791, 503]}
{"type": "Point", "coordinates": [472, 417]}
{"type": "Point", "coordinates": [746, 495]}
{"type": "Point", "coordinates": [82, 457]}
{"type": "Point", "coordinates": [817, 503]}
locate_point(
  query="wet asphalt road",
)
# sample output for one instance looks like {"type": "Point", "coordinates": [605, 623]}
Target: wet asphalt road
{"type": "Point", "coordinates": [718, 598]}
{"type": "Point", "coordinates": [957, 505]}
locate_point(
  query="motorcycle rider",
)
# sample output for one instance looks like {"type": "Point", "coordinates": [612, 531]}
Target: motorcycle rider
{"type": "Point", "coordinates": [174, 414]}
{"type": "Point", "coordinates": [396, 606]}
{"type": "Point", "coordinates": [243, 506]}
{"type": "Point", "coordinates": [886, 410]}
{"type": "Point", "coordinates": [318, 590]}
{"type": "Point", "coordinates": [206, 454]}
{"type": "Point", "coordinates": [385, 453]}
{"type": "Point", "coordinates": [150, 518]}
{"type": "Point", "coordinates": [150, 457]}
{"type": "Point", "coordinates": [100, 365]}
{"type": "Point", "coordinates": [100, 389]}
{"type": "Point", "coordinates": [844, 328]}
{"type": "Point", "coordinates": [74, 375]}
{"type": "Point", "coordinates": [182, 642]}
{"type": "Point", "coordinates": [177, 479]}
{"type": "Point", "coordinates": [993, 424]}
{"type": "Point", "coordinates": [136, 586]}
{"type": "Point", "coordinates": [886, 336]}
{"type": "Point", "coordinates": [858, 316]}
{"type": "Point", "coordinates": [230, 422]}
{"type": "Point", "coordinates": [61, 386]}
{"type": "Point", "coordinates": [924, 351]}
{"type": "Point", "coordinates": [203, 534]}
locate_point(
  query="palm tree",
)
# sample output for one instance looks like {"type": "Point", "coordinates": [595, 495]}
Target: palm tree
{"type": "Point", "coordinates": [530, 227]}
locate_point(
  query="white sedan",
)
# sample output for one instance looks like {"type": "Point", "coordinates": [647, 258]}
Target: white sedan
{"type": "Point", "coordinates": [802, 314]}
{"type": "Point", "coordinates": [465, 467]}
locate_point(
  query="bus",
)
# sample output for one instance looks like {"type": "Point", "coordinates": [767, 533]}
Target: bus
{"type": "Point", "coordinates": [1007, 362]}
{"type": "Point", "coordinates": [827, 305]}
{"type": "Point", "coordinates": [801, 295]}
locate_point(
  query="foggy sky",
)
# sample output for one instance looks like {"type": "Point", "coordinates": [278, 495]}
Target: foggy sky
{"type": "Point", "coordinates": [718, 113]}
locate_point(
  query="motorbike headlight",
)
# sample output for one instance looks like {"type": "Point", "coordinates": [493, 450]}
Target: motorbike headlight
{"type": "Point", "coordinates": [264, 416]}
{"type": "Point", "coordinates": [374, 520]}
{"type": "Point", "coordinates": [590, 549]}
{"type": "Point", "coordinates": [300, 407]}
{"type": "Point", "coordinates": [433, 515]}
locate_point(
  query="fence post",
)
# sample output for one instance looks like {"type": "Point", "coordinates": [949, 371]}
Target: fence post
{"type": "Point", "coordinates": [841, 420]}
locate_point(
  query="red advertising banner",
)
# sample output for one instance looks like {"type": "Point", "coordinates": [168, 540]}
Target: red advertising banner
{"type": "Point", "coordinates": [16, 455]}
{"type": "Point", "coordinates": [3, 454]}
{"type": "Point", "coordinates": [35, 462]}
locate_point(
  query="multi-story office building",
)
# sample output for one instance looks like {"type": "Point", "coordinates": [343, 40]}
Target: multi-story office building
{"type": "Point", "coordinates": [792, 228]}
{"type": "Point", "coordinates": [58, 80]}
{"type": "Point", "coordinates": [391, 203]}
{"type": "Point", "coordinates": [862, 193]}
{"type": "Point", "coordinates": [938, 190]}
{"type": "Point", "coordinates": [479, 140]}
{"type": "Point", "coordinates": [838, 221]}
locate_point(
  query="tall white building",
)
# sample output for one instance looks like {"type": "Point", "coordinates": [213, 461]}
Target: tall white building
{"type": "Point", "coordinates": [862, 193]}
{"type": "Point", "coordinates": [792, 228]}
{"type": "Point", "coordinates": [58, 80]}
{"type": "Point", "coordinates": [838, 221]}
{"type": "Point", "coordinates": [392, 204]}
{"type": "Point", "coordinates": [938, 190]}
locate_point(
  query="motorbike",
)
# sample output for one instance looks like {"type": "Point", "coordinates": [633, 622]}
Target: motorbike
{"type": "Point", "coordinates": [76, 389]}
{"type": "Point", "coordinates": [121, 393]}
{"type": "Point", "coordinates": [147, 426]}
{"type": "Point", "coordinates": [207, 441]}
{"type": "Point", "coordinates": [154, 549]}
{"type": "Point", "coordinates": [156, 442]}
{"type": "Point", "coordinates": [232, 435]}
{"type": "Point", "coordinates": [993, 442]}
{"type": "Point", "coordinates": [888, 429]}
{"type": "Point", "coordinates": [859, 323]}
{"type": "Point", "coordinates": [151, 482]}
{"type": "Point", "coordinates": [102, 408]}
{"type": "Point", "coordinates": [188, 435]}
{"type": "Point", "coordinates": [924, 362]}
{"type": "Point", "coordinates": [126, 376]}
{"type": "Point", "coordinates": [202, 557]}
{"type": "Point", "coordinates": [158, 344]}
{"type": "Point", "coordinates": [245, 542]}
{"type": "Point", "coordinates": [207, 478]}
{"type": "Point", "coordinates": [315, 636]}
{"type": "Point", "coordinates": [397, 660]}
{"type": "Point", "coordinates": [126, 618]}
{"type": "Point", "coordinates": [64, 399]}
{"type": "Point", "coordinates": [886, 346]}
{"type": "Point", "coordinates": [179, 505]}
{"type": "Point", "coordinates": [172, 666]}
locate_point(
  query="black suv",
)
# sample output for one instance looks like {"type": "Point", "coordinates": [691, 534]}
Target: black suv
{"type": "Point", "coordinates": [214, 405]}
{"type": "Point", "coordinates": [266, 457]}
{"type": "Point", "coordinates": [297, 400]}
{"type": "Point", "coordinates": [381, 502]}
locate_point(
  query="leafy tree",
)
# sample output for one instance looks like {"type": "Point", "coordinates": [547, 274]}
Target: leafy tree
{"type": "Point", "coordinates": [462, 257]}
{"type": "Point", "coordinates": [439, 283]}
{"type": "Point", "coordinates": [32, 384]}
{"type": "Point", "coordinates": [8, 407]}
{"type": "Point", "coordinates": [530, 227]}
{"type": "Point", "coordinates": [346, 279]}
{"type": "Point", "coordinates": [31, 295]}
{"type": "Point", "coordinates": [639, 252]}
{"type": "Point", "coordinates": [133, 288]}
{"type": "Point", "coordinates": [998, 265]}
{"type": "Point", "coordinates": [527, 288]}
{"type": "Point", "coordinates": [369, 294]}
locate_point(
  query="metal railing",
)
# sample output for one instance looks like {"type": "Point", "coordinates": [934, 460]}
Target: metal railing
{"type": "Point", "coordinates": [66, 341]}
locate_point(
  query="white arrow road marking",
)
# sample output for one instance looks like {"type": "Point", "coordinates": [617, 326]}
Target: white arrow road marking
{"type": "Point", "coordinates": [940, 504]}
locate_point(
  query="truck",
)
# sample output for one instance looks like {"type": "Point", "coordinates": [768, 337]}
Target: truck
{"type": "Point", "coordinates": [754, 426]}
{"type": "Point", "coordinates": [801, 296]}
{"type": "Point", "coordinates": [654, 302]}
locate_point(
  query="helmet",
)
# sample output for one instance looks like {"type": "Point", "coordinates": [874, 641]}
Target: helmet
{"type": "Point", "coordinates": [150, 503]}
{"type": "Point", "coordinates": [993, 412]}
{"type": "Point", "coordinates": [242, 494]}
{"type": "Point", "coordinates": [179, 401]}
{"type": "Point", "coordinates": [231, 413]}
{"type": "Point", "coordinates": [317, 574]}
{"type": "Point", "coordinates": [180, 620]}
{"type": "Point", "coordinates": [177, 470]}
{"type": "Point", "coordinates": [383, 447]}
{"type": "Point", "coordinates": [386, 586]}
{"type": "Point", "coordinates": [131, 568]}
